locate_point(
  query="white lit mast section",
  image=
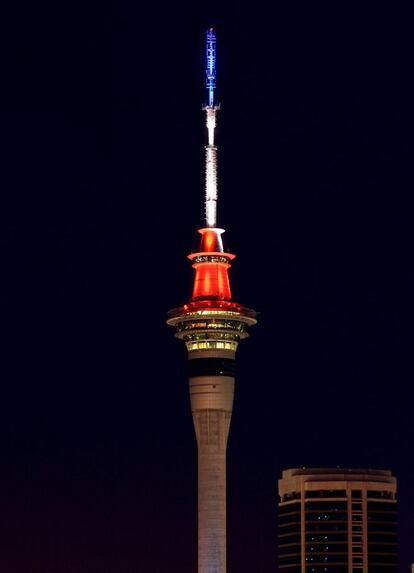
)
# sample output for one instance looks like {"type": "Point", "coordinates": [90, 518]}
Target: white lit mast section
{"type": "Point", "coordinates": [211, 149]}
{"type": "Point", "coordinates": [211, 170]}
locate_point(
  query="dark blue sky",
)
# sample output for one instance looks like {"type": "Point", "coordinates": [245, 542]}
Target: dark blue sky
{"type": "Point", "coordinates": [102, 139]}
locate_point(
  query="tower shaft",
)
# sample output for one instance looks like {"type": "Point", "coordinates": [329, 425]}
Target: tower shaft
{"type": "Point", "coordinates": [211, 392]}
{"type": "Point", "coordinates": [212, 519]}
{"type": "Point", "coordinates": [212, 429]}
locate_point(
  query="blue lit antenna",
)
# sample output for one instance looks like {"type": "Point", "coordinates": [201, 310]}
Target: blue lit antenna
{"type": "Point", "coordinates": [211, 65]}
{"type": "Point", "coordinates": [211, 149]}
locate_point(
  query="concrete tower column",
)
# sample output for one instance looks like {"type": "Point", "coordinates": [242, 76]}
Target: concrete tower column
{"type": "Point", "coordinates": [211, 392]}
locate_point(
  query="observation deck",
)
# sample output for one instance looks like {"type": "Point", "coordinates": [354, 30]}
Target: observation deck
{"type": "Point", "coordinates": [211, 319]}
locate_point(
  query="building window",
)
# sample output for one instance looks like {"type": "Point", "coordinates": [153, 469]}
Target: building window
{"type": "Point", "coordinates": [326, 493]}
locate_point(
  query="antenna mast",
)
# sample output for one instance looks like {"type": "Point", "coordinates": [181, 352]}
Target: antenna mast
{"type": "Point", "coordinates": [211, 149]}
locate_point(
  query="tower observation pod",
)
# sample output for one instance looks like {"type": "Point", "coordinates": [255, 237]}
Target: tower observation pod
{"type": "Point", "coordinates": [211, 324]}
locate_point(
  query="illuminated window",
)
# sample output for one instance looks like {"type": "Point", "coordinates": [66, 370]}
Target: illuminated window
{"type": "Point", "coordinates": [211, 344]}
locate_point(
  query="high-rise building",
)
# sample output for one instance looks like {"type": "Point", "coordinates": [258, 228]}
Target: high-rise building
{"type": "Point", "coordinates": [337, 521]}
{"type": "Point", "coordinates": [211, 324]}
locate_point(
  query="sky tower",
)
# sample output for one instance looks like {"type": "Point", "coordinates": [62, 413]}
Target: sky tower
{"type": "Point", "coordinates": [211, 324]}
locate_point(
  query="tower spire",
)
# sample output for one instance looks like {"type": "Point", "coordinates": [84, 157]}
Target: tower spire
{"type": "Point", "coordinates": [211, 65]}
{"type": "Point", "coordinates": [211, 149]}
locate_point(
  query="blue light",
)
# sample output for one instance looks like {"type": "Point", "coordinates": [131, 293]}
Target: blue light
{"type": "Point", "coordinates": [211, 65]}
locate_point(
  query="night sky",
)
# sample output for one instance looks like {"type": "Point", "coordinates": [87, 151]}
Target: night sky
{"type": "Point", "coordinates": [102, 167]}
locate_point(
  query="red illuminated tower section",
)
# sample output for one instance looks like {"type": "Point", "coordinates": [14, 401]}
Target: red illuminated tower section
{"type": "Point", "coordinates": [211, 324]}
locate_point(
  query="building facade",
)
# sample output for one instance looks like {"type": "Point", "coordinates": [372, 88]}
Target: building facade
{"type": "Point", "coordinates": [337, 521]}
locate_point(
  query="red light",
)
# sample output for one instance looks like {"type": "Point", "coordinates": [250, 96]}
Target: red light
{"type": "Point", "coordinates": [211, 241]}
{"type": "Point", "coordinates": [211, 281]}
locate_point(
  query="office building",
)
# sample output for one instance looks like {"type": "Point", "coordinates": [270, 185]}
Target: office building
{"type": "Point", "coordinates": [337, 521]}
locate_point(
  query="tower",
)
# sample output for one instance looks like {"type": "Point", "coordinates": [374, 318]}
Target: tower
{"type": "Point", "coordinates": [211, 324]}
{"type": "Point", "coordinates": [337, 521]}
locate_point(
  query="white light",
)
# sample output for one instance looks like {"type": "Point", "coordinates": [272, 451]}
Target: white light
{"type": "Point", "coordinates": [211, 124]}
{"type": "Point", "coordinates": [211, 186]}
{"type": "Point", "coordinates": [211, 170]}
